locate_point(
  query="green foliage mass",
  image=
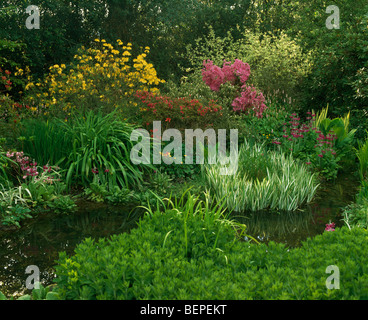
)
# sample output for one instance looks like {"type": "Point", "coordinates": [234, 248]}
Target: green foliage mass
{"type": "Point", "coordinates": [164, 25]}
{"type": "Point", "coordinates": [181, 255]}
{"type": "Point", "coordinates": [278, 63]}
{"type": "Point", "coordinates": [90, 142]}
{"type": "Point", "coordinates": [286, 42]}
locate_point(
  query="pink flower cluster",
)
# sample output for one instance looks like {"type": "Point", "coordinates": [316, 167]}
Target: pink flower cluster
{"type": "Point", "coordinates": [237, 70]}
{"type": "Point", "coordinates": [250, 99]}
{"type": "Point", "coordinates": [330, 227]}
{"type": "Point", "coordinates": [323, 144]}
{"type": "Point", "coordinates": [214, 76]}
{"type": "Point", "coordinates": [236, 73]}
{"type": "Point", "coordinates": [95, 170]}
{"type": "Point", "coordinates": [29, 169]}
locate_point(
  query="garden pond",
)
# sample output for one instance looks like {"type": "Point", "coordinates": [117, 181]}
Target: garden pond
{"type": "Point", "coordinates": [40, 240]}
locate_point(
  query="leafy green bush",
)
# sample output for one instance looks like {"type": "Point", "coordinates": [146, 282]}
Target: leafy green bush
{"type": "Point", "coordinates": [263, 180]}
{"type": "Point", "coordinates": [337, 60]}
{"type": "Point", "coordinates": [337, 54]}
{"type": "Point", "coordinates": [278, 63]}
{"type": "Point", "coordinates": [266, 129]}
{"type": "Point", "coordinates": [360, 85]}
{"type": "Point", "coordinates": [101, 193]}
{"type": "Point", "coordinates": [194, 254]}
{"type": "Point", "coordinates": [40, 293]}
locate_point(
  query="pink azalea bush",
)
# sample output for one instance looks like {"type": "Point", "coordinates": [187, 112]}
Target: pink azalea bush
{"type": "Point", "coordinates": [242, 70]}
{"type": "Point", "coordinates": [213, 75]}
{"type": "Point", "coordinates": [250, 99]}
{"type": "Point", "coordinates": [237, 74]}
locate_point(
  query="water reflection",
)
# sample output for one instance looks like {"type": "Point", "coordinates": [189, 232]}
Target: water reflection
{"type": "Point", "coordinates": [292, 228]}
{"type": "Point", "coordinates": [39, 241]}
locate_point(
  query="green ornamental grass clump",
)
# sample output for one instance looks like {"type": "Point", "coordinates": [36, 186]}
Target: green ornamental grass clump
{"type": "Point", "coordinates": [189, 251]}
{"type": "Point", "coordinates": [263, 180]}
{"type": "Point", "coordinates": [88, 147]}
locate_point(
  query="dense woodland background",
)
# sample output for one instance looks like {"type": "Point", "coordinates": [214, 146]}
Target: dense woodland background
{"type": "Point", "coordinates": [171, 27]}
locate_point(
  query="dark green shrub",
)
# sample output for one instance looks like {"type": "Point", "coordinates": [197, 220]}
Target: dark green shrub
{"type": "Point", "coordinates": [181, 255]}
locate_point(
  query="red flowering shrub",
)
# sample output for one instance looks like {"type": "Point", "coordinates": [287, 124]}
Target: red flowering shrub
{"type": "Point", "coordinates": [237, 74]}
{"type": "Point", "coordinates": [5, 82]}
{"type": "Point", "coordinates": [179, 113]}
{"type": "Point", "coordinates": [9, 110]}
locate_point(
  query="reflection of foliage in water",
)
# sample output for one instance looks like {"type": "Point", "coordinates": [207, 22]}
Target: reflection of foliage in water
{"type": "Point", "coordinates": [294, 227]}
{"type": "Point", "coordinates": [289, 227]}
{"type": "Point", "coordinates": [40, 241]}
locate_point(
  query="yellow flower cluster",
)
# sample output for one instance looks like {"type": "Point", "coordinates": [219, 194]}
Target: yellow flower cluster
{"type": "Point", "coordinates": [102, 74]}
{"type": "Point", "coordinates": [168, 154]}
{"type": "Point", "coordinates": [21, 72]}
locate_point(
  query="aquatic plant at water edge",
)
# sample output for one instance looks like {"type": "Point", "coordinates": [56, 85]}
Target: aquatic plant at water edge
{"type": "Point", "coordinates": [14, 205]}
{"type": "Point", "coordinates": [362, 154]}
{"type": "Point", "coordinates": [264, 180]}
{"type": "Point", "coordinates": [99, 145]}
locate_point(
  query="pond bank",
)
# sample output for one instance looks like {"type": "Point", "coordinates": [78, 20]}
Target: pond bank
{"type": "Point", "coordinates": [292, 228]}
{"type": "Point", "coordinates": [42, 238]}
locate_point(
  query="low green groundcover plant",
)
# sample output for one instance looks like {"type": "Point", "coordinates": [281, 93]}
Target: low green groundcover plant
{"type": "Point", "coordinates": [263, 180]}
{"type": "Point", "coordinates": [189, 251]}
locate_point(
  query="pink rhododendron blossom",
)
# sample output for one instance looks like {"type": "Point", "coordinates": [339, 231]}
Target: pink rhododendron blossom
{"type": "Point", "coordinates": [242, 70]}
{"type": "Point", "coordinates": [250, 99]}
{"type": "Point", "coordinates": [212, 75]}
{"type": "Point", "coordinates": [229, 72]}
{"type": "Point", "coordinates": [215, 76]}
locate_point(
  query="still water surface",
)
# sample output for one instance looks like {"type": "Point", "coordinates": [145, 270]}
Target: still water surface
{"type": "Point", "coordinates": [41, 239]}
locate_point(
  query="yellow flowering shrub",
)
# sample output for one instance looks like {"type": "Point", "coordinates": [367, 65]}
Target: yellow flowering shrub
{"type": "Point", "coordinates": [103, 76]}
